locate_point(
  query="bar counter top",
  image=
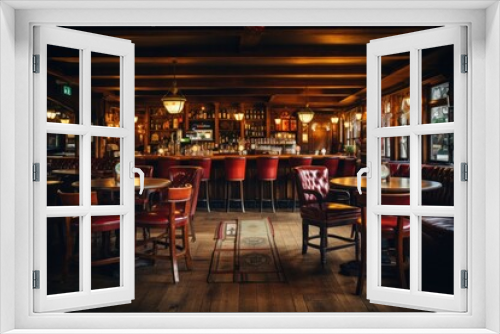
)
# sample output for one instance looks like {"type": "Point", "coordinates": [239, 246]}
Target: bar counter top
{"type": "Point", "coordinates": [249, 156]}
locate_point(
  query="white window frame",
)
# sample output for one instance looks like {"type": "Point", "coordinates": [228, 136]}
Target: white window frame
{"type": "Point", "coordinates": [484, 51]}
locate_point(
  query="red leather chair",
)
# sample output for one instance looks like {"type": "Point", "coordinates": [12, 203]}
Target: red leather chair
{"type": "Point", "coordinates": [234, 170]}
{"type": "Point", "coordinates": [180, 175]}
{"type": "Point", "coordinates": [332, 163]}
{"type": "Point", "coordinates": [164, 163]}
{"type": "Point", "coordinates": [395, 228]}
{"type": "Point", "coordinates": [313, 187]}
{"type": "Point", "coordinates": [267, 171]}
{"type": "Point", "coordinates": [206, 164]}
{"type": "Point", "coordinates": [349, 168]}
{"type": "Point", "coordinates": [143, 200]}
{"type": "Point", "coordinates": [296, 161]}
{"type": "Point", "coordinates": [104, 224]}
{"type": "Point", "coordinates": [177, 217]}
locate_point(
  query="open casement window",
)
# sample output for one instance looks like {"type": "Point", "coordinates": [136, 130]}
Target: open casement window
{"type": "Point", "coordinates": [433, 244]}
{"type": "Point", "coordinates": [69, 135]}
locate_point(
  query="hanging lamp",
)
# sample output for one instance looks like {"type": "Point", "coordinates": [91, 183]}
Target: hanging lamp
{"type": "Point", "coordinates": [173, 100]}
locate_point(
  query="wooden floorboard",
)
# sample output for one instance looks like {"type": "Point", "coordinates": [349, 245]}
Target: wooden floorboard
{"type": "Point", "coordinates": [308, 286]}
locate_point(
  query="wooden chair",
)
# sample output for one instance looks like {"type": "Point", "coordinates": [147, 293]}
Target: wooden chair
{"type": "Point", "coordinates": [169, 223]}
{"type": "Point", "coordinates": [396, 228]}
{"type": "Point", "coordinates": [313, 186]}
{"type": "Point", "coordinates": [104, 224]}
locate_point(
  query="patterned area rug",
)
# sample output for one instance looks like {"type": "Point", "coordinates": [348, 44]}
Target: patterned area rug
{"type": "Point", "coordinates": [245, 251]}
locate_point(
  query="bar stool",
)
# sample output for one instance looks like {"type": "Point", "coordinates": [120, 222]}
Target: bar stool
{"type": "Point", "coordinates": [164, 163]}
{"type": "Point", "coordinates": [332, 164]}
{"type": "Point", "coordinates": [267, 170]}
{"type": "Point", "coordinates": [296, 162]}
{"type": "Point", "coordinates": [206, 164]}
{"type": "Point", "coordinates": [234, 169]}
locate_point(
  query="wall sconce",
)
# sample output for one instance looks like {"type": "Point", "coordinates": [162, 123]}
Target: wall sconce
{"type": "Point", "coordinates": [51, 114]}
{"type": "Point", "coordinates": [359, 115]}
{"type": "Point", "coordinates": [277, 121]}
{"type": "Point", "coordinates": [65, 120]}
{"type": "Point", "coordinates": [346, 124]}
{"type": "Point", "coordinates": [335, 119]}
{"type": "Point", "coordinates": [136, 119]}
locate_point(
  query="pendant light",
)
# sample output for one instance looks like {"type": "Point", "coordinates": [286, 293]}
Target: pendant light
{"type": "Point", "coordinates": [173, 100]}
{"type": "Point", "coordinates": [306, 114]}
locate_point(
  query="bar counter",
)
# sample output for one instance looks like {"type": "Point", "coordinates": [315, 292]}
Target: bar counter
{"type": "Point", "coordinates": [282, 186]}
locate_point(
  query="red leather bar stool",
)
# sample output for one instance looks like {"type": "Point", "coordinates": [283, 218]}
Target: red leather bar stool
{"type": "Point", "coordinates": [267, 171]}
{"type": "Point", "coordinates": [168, 223]}
{"type": "Point", "coordinates": [164, 163]}
{"type": "Point", "coordinates": [349, 168]}
{"type": "Point", "coordinates": [206, 164]}
{"type": "Point", "coordinates": [234, 169]}
{"type": "Point", "coordinates": [296, 162]}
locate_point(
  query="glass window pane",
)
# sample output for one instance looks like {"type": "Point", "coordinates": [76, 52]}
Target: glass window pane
{"type": "Point", "coordinates": [63, 167]}
{"type": "Point", "coordinates": [105, 252]}
{"type": "Point", "coordinates": [63, 85]}
{"type": "Point", "coordinates": [395, 85]}
{"type": "Point", "coordinates": [437, 254]}
{"type": "Point", "coordinates": [105, 170]}
{"type": "Point", "coordinates": [105, 103]}
{"type": "Point", "coordinates": [395, 252]}
{"type": "Point", "coordinates": [437, 85]}
{"type": "Point", "coordinates": [437, 170]}
{"type": "Point", "coordinates": [395, 170]}
{"type": "Point", "coordinates": [62, 255]}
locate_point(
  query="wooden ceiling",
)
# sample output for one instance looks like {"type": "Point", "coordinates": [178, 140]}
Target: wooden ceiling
{"type": "Point", "coordinates": [282, 66]}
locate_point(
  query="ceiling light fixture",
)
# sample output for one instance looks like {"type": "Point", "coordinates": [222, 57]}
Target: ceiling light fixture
{"type": "Point", "coordinates": [239, 116]}
{"type": "Point", "coordinates": [306, 114]}
{"type": "Point", "coordinates": [174, 100]}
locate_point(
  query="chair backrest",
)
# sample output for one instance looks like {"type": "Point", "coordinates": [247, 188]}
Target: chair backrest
{"type": "Point", "coordinates": [234, 168]}
{"type": "Point", "coordinates": [74, 198]}
{"type": "Point", "coordinates": [300, 161]}
{"type": "Point", "coordinates": [311, 178]}
{"type": "Point", "coordinates": [205, 163]}
{"type": "Point", "coordinates": [349, 168]}
{"type": "Point", "coordinates": [332, 163]}
{"type": "Point", "coordinates": [181, 175]}
{"type": "Point", "coordinates": [147, 169]}
{"type": "Point", "coordinates": [176, 195]}
{"type": "Point", "coordinates": [164, 163]}
{"type": "Point", "coordinates": [267, 168]}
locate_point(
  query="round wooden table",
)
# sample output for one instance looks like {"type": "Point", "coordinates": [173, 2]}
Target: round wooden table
{"type": "Point", "coordinates": [71, 172]}
{"type": "Point", "coordinates": [110, 184]}
{"type": "Point", "coordinates": [396, 185]}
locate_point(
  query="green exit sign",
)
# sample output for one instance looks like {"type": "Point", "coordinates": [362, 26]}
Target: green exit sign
{"type": "Point", "coordinates": [67, 90]}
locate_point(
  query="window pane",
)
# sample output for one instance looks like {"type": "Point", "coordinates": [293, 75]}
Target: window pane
{"type": "Point", "coordinates": [105, 252]}
{"type": "Point", "coordinates": [105, 71]}
{"type": "Point", "coordinates": [437, 85]}
{"type": "Point", "coordinates": [105, 170]}
{"type": "Point", "coordinates": [62, 255]}
{"type": "Point", "coordinates": [63, 167]}
{"type": "Point", "coordinates": [63, 85]}
{"type": "Point", "coordinates": [395, 107]}
{"type": "Point", "coordinates": [437, 254]}
{"type": "Point", "coordinates": [395, 252]}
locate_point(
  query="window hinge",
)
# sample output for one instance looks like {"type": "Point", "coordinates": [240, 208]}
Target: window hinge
{"type": "Point", "coordinates": [36, 172]}
{"type": "Point", "coordinates": [36, 279]}
{"type": "Point", "coordinates": [464, 171]}
{"type": "Point", "coordinates": [465, 64]}
{"type": "Point", "coordinates": [465, 279]}
{"type": "Point", "coordinates": [36, 63]}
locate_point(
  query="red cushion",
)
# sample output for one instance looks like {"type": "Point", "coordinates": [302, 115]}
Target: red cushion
{"type": "Point", "coordinates": [389, 223]}
{"type": "Point", "coordinates": [105, 223]}
{"type": "Point", "coordinates": [159, 219]}
{"type": "Point", "coordinates": [330, 211]}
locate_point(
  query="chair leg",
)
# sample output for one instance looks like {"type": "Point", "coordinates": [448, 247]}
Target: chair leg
{"type": "Point", "coordinates": [173, 251]}
{"type": "Point", "coordinates": [207, 196]}
{"type": "Point", "coordinates": [272, 196]}
{"type": "Point", "coordinates": [261, 194]}
{"type": "Point", "coordinates": [241, 197]}
{"type": "Point", "coordinates": [191, 227]}
{"type": "Point", "coordinates": [323, 244]}
{"type": "Point", "coordinates": [187, 251]}
{"type": "Point", "coordinates": [305, 237]}
{"type": "Point", "coordinates": [228, 195]}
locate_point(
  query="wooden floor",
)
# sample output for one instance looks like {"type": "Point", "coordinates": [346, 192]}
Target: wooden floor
{"type": "Point", "coordinates": [308, 288]}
